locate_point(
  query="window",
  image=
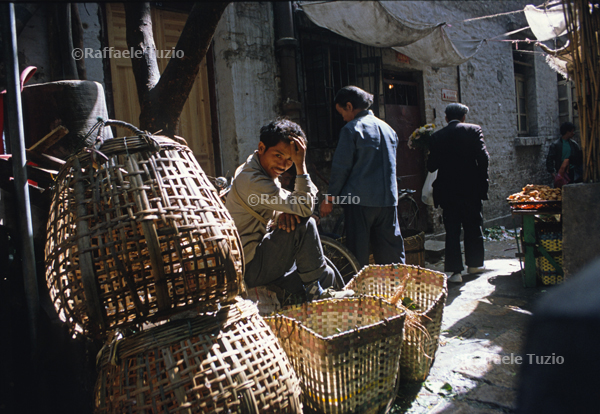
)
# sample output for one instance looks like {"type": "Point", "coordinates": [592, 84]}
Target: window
{"type": "Point", "coordinates": [521, 98]}
{"type": "Point", "coordinates": [566, 101]}
{"type": "Point", "coordinates": [525, 89]}
{"type": "Point", "coordinates": [331, 62]}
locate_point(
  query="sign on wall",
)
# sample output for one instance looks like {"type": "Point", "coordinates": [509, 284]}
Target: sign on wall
{"type": "Point", "coordinates": [449, 95]}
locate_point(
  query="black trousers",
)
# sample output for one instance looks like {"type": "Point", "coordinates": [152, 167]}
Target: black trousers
{"type": "Point", "coordinates": [466, 214]}
{"type": "Point", "coordinates": [377, 227]}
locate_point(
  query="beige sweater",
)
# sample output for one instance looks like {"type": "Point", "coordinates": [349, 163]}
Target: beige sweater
{"type": "Point", "coordinates": [265, 196]}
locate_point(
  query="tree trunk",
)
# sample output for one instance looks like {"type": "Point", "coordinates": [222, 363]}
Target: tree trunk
{"type": "Point", "coordinates": [138, 22]}
{"type": "Point", "coordinates": [162, 98]}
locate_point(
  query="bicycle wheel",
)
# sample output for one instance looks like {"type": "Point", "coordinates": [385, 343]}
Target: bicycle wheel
{"type": "Point", "coordinates": [341, 257]}
{"type": "Point", "coordinates": [408, 213]}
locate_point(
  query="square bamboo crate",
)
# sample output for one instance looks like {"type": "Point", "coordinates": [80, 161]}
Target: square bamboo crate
{"type": "Point", "coordinates": [428, 290]}
{"type": "Point", "coordinates": [551, 240]}
{"type": "Point", "coordinates": [345, 352]}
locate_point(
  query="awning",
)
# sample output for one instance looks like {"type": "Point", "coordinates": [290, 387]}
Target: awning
{"type": "Point", "coordinates": [546, 23]}
{"type": "Point", "coordinates": [381, 24]}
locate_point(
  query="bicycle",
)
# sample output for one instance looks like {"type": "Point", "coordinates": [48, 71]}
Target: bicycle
{"type": "Point", "coordinates": [408, 209]}
{"type": "Point", "coordinates": [341, 257]}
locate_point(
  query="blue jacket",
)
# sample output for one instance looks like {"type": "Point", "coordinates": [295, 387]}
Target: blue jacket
{"type": "Point", "coordinates": [364, 162]}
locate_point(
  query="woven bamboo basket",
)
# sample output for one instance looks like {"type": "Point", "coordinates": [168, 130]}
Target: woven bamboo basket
{"type": "Point", "coordinates": [428, 290]}
{"type": "Point", "coordinates": [226, 362]}
{"type": "Point", "coordinates": [136, 232]}
{"type": "Point", "coordinates": [345, 352]}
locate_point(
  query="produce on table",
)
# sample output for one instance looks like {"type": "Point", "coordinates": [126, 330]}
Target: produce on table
{"type": "Point", "coordinates": [533, 192]}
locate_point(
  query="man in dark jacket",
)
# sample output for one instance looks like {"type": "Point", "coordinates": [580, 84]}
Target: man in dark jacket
{"type": "Point", "coordinates": [459, 155]}
{"type": "Point", "coordinates": [565, 153]}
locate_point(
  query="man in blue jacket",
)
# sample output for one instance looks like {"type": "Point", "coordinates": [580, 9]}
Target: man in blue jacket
{"type": "Point", "coordinates": [363, 179]}
{"type": "Point", "coordinates": [460, 156]}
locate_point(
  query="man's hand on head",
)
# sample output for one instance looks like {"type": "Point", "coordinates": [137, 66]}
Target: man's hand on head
{"type": "Point", "coordinates": [288, 221]}
{"type": "Point", "coordinates": [298, 148]}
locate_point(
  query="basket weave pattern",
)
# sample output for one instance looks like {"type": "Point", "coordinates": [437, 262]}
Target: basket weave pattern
{"type": "Point", "coordinates": [229, 362]}
{"type": "Point", "coordinates": [137, 234]}
{"type": "Point", "coordinates": [345, 351]}
{"type": "Point", "coordinates": [428, 290]}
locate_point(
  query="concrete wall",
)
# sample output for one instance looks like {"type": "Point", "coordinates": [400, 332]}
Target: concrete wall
{"type": "Point", "coordinates": [581, 227]}
{"type": "Point", "coordinates": [247, 80]}
{"type": "Point", "coordinates": [90, 21]}
{"type": "Point", "coordinates": [33, 45]}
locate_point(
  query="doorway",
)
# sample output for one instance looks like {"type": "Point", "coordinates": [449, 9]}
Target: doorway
{"type": "Point", "coordinates": [403, 114]}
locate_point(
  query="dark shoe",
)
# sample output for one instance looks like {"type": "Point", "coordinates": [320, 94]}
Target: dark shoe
{"type": "Point", "coordinates": [313, 291]}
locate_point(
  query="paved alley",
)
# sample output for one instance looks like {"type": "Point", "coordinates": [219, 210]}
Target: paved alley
{"type": "Point", "coordinates": [483, 329]}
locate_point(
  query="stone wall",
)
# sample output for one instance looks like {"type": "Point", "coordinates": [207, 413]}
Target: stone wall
{"type": "Point", "coordinates": [486, 84]}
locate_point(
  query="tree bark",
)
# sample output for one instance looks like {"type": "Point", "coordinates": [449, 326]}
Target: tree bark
{"type": "Point", "coordinates": [162, 98]}
{"type": "Point", "coordinates": [138, 22]}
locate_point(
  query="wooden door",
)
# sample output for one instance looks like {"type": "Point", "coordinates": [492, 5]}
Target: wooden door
{"type": "Point", "coordinates": [195, 121]}
{"type": "Point", "coordinates": [403, 114]}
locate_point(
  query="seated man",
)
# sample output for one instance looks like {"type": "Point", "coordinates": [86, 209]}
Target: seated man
{"type": "Point", "coordinates": [281, 242]}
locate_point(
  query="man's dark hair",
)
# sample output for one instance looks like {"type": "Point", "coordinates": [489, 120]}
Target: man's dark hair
{"type": "Point", "coordinates": [280, 130]}
{"type": "Point", "coordinates": [456, 111]}
{"type": "Point", "coordinates": [567, 127]}
{"type": "Point", "coordinates": [357, 97]}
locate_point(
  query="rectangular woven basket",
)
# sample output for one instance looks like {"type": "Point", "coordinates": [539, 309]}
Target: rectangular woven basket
{"type": "Point", "coordinates": [345, 352]}
{"type": "Point", "coordinates": [428, 290]}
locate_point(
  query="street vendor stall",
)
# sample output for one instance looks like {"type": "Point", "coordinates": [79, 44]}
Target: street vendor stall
{"type": "Point", "coordinates": [540, 208]}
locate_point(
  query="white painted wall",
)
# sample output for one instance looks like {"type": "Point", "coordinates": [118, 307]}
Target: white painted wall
{"type": "Point", "coordinates": [88, 12]}
{"type": "Point", "coordinates": [247, 81]}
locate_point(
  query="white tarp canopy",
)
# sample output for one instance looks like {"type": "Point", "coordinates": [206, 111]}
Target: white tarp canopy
{"type": "Point", "coordinates": [382, 24]}
{"type": "Point", "coordinates": [546, 23]}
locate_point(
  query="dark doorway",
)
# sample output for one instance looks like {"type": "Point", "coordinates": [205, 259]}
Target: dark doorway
{"type": "Point", "coordinates": [403, 113]}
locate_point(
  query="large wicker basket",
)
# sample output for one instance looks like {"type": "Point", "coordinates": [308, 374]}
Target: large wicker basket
{"type": "Point", "coordinates": [136, 232]}
{"type": "Point", "coordinates": [428, 291]}
{"type": "Point", "coordinates": [345, 351]}
{"type": "Point", "coordinates": [227, 362]}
